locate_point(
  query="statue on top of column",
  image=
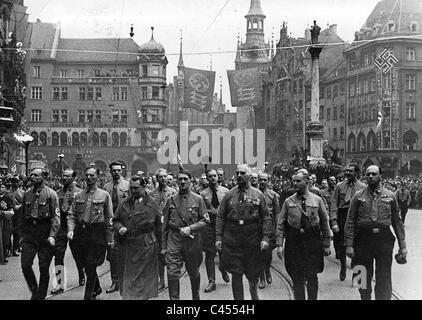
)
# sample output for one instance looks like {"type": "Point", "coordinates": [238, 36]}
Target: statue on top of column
{"type": "Point", "coordinates": [315, 31]}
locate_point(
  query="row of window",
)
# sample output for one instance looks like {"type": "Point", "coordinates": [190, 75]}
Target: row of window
{"type": "Point", "coordinates": [368, 58]}
{"type": "Point", "coordinates": [83, 116]}
{"type": "Point", "coordinates": [371, 141]}
{"type": "Point", "coordinates": [338, 113]}
{"type": "Point", "coordinates": [371, 113]}
{"type": "Point", "coordinates": [83, 139]}
{"type": "Point", "coordinates": [81, 73]}
{"type": "Point", "coordinates": [96, 93]}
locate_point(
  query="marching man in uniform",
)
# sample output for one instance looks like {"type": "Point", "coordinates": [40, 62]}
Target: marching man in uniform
{"type": "Point", "coordinates": [185, 215]}
{"type": "Point", "coordinates": [212, 196]}
{"type": "Point", "coordinates": [243, 233]}
{"type": "Point", "coordinates": [89, 223]}
{"type": "Point", "coordinates": [303, 223]}
{"type": "Point", "coordinates": [39, 223]}
{"type": "Point", "coordinates": [368, 237]}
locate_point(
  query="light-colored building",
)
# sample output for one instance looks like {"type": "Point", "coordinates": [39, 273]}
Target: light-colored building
{"type": "Point", "coordinates": [95, 100]}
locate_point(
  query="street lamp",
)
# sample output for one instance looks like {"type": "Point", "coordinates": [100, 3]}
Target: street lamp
{"type": "Point", "coordinates": [60, 157]}
{"type": "Point", "coordinates": [26, 139]}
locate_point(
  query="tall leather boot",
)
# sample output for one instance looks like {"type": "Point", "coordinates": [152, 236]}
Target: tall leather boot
{"type": "Point", "coordinates": [161, 265]}
{"type": "Point", "coordinates": [253, 289]}
{"type": "Point", "coordinates": [29, 276]}
{"type": "Point", "coordinates": [237, 287]}
{"type": "Point", "coordinates": [262, 280]}
{"type": "Point", "coordinates": [174, 289]}
{"type": "Point", "coordinates": [43, 286]}
{"type": "Point", "coordinates": [210, 267]}
{"type": "Point", "coordinates": [195, 284]}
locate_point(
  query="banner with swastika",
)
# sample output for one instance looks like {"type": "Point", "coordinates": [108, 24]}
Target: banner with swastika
{"type": "Point", "coordinates": [199, 89]}
{"type": "Point", "coordinates": [385, 61]}
{"type": "Point", "coordinates": [244, 86]}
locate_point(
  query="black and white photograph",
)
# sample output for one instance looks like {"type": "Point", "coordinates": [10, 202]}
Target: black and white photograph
{"type": "Point", "coordinates": [227, 151]}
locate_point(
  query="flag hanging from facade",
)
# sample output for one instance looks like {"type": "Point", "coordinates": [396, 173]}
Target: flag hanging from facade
{"type": "Point", "coordinates": [199, 89]}
{"type": "Point", "coordinates": [244, 86]}
{"type": "Point", "coordinates": [380, 117]}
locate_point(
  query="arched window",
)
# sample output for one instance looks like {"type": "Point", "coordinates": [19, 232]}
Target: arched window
{"type": "Point", "coordinates": [351, 143]}
{"type": "Point", "coordinates": [410, 140]}
{"type": "Point", "coordinates": [144, 139]}
{"type": "Point", "coordinates": [371, 141]}
{"type": "Point", "coordinates": [55, 139]}
{"type": "Point", "coordinates": [103, 139]}
{"type": "Point", "coordinates": [115, 139]}
{"type": "Point", "coordinates": [95, 139]}
{"type": "Point", "coordinates": [63, 139]}
{"type": "Point", "coordinates": [83, 139]}
{"type": "Point", "coordinates": [361, 142]}
{"type": "Point", "coordinates": [123, 139]}
{"type": "Point", "coordinates": [35, 137]}
{"type": "Point", "coordinates": [75, 139]}
{"type": "Point", "coordinates": [43, 138]}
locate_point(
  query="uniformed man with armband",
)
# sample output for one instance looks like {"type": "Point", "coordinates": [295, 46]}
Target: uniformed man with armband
{"type": "Point", "coordinates": [90, 229]}
{"type": "Point", "coordinates": [38, 223]}
{"type": "Point", "coordinates": [66, 195]}
{"type": "Point", "coordinates": [303, 237]}
{"type": "Point", "coordinates": [185, 215]}
{"type": "Point", "coordinates": [368, 237]}
{"type": "Point", "coordinates": [243, 232]}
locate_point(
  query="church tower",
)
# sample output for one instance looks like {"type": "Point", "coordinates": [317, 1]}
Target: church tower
{"type": "Point", "coordinates": [254, 52]}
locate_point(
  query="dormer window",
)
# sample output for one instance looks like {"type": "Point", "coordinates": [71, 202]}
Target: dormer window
{"type": "Point", "coordinates": [391, 26]}
{"type": "Point", "coordinates": [414, 27]}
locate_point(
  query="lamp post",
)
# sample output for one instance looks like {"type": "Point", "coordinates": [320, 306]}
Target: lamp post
{"type": "Point", "coordinates": [60, 157]}
{"type": "Point", "coordinates": [26, 139]}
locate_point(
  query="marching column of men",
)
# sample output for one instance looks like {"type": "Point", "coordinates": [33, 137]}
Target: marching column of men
{"type": "Point", "coordinates": [165, 227]}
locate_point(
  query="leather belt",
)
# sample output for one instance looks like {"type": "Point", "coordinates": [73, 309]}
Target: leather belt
{"type": "Point", "coordinates": [242, 222]}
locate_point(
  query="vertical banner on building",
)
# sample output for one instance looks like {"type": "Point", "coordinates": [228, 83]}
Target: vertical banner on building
{"type": "Point", "coordinates": [199, 89]}
{"type": "Point", "coordinates": [244, 86]}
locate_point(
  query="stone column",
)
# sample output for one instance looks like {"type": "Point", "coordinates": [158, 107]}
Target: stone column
{"type": "Point", "coordinates": [315, 129]}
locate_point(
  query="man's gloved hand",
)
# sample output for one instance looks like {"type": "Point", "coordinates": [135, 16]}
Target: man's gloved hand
{"type": "Point", "coordinates": [335, 229]}
{"type": "Point", "coordinates": [350, 252]}
{"type": "Point", "coordinates": [280, 252]}
{"type": "Point", "coordinates": [122, 231]}
{"type": "Point", "coordinates": [219, 245]}
{"type": "Point", "coordinates": [327, 252]}
{"type": "Point", "coordinates": [52, 241]}
{"type": "Point", "coordinates": [70, 235]}
{"type": "Point", "coordinates": [264, 245]}
{"type": "Point", "coordinates": [164, 252]}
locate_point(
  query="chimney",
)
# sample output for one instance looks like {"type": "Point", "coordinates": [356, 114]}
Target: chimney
{"type": "Point", "coordinates": [333, 29]}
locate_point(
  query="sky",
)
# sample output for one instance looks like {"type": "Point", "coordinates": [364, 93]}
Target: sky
{"type": "Point", "coordinates": [210, 28]}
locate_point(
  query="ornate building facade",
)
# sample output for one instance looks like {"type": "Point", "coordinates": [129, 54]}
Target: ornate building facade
{"type": "Point", "coordinates": [95, 100]}
{"type": "Point", "coordinates": [14, 37]}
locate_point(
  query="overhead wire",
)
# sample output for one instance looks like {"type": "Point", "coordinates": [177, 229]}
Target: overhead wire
{"type": "Point", "coordinates": [354, 43]}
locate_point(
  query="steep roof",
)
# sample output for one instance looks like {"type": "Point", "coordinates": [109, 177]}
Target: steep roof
{"type": "Point", "coordinates": [97, 50]}
{"type": "Point", "coordinates": [403, 13]}
{"type": "Point", "coordinates": [255, 9]}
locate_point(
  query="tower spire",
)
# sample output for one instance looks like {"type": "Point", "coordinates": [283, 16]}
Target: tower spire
{"type": "Point", "coordinates": [221, 92]}
{"type": "Point", "coordinates": [181, 64]}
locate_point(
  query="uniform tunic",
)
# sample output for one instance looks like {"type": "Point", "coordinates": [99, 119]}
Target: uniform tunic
{"type": "Point", "coordinates": [183, 210]}
{"type": "Point", "coordinates": [90, 217]}
{"type": "Point", "coordinates": [241, 226]}
{"type": "Point", "coordinates": [304, 244]}
{"type": "Point", "coordinates": [273, 202]}
{"type": "Point", "coordinates": [6, 211]}
{"type": "Point", "coordinates": [65, 202]}
{"type": "Point", "coordinates": [208, 235]}
{"type": "Point", "coordinates": [138, 248]}
{"type": "Point", "coordinates": [367, 230]}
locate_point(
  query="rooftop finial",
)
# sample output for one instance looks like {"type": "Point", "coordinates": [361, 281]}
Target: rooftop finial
{"type": "Point", "coordinates": [152, 33]}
